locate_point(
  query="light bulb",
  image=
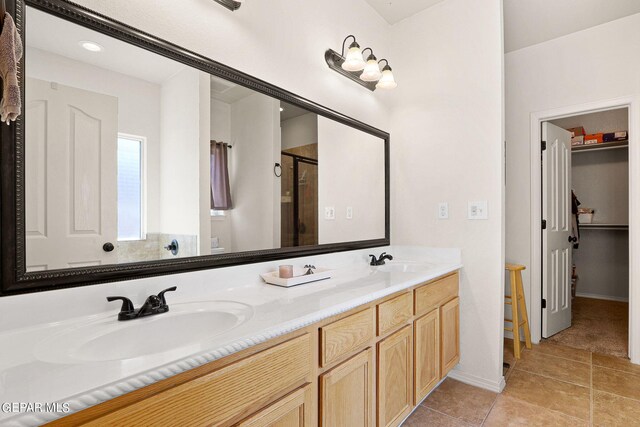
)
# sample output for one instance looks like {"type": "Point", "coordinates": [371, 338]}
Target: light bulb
{"type": "Point", "coordinates": [387, 81]}
{"type": "Point", "coordinates": [91, 46]}
{"type": "Point", "coordinates": [354, 60]}
{"type": "Point", "coordinates": [371, 71]}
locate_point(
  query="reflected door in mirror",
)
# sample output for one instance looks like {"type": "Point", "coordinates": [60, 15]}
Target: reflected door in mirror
{"type": "Point", "coordinates": [70, 153]}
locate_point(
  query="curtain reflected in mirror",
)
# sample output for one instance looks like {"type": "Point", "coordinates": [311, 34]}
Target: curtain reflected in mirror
{"type": "Point", "coordinates": [219, 171]}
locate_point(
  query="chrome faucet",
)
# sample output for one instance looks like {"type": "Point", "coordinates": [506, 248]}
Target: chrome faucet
{"type": "Point", "coordinates": [155, 304]}
{"type": "Point", "coordinates": [380, 260]}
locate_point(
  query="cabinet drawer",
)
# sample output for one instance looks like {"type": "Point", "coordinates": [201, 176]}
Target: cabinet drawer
{"type": "Point", "coordinates": [345, 336]}
{"type": "Point", "coordinates": [430, 296]}
{"type": "Point", "coordinates": [226, 395]}
{"type": "Point", "coordinates": [393, 313]}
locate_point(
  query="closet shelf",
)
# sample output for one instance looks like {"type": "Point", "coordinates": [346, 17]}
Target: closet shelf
{"type": "Point", "coordinates": [601, 146]}
{"type": "Point", "coordinates": [605, 226]}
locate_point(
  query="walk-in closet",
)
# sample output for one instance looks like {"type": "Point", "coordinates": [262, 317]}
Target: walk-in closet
{"type": "Point", "coordinates": [600, 183]}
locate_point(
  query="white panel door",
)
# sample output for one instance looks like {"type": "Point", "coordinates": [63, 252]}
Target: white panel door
{"type": "Point", "coordinates": [556, 246]}
{"type": "Point", "coordinates": [70, 175]}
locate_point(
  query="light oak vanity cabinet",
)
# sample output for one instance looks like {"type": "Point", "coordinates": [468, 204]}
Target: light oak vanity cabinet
{"type": "Point", "coordinates": [436, 333]}
{"type": "Point", "coordinates": [367, 367]}
{"type": "Point", "coordinates": [449, 335]}
{"type": "Point", "coordinates": [346, 392]}
{"type": "Point", "coordinates": [395, 377]}
{"type": "Point", "coordinates": [426, 331]}
{"type": "Point", "coordinates": [293, 410]}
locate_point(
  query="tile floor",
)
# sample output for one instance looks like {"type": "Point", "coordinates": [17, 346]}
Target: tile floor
{"type": "Point", "coordinates": [551, 385]}
{"type": "Point", "coordinates": [597, 325]}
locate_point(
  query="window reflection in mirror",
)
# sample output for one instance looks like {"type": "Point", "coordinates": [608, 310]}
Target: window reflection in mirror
{"type": "Point", "coordinates": [127, 147]}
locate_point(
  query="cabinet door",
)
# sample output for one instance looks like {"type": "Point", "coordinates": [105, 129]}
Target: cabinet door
{"type": "Point", "coordinates": [426, 354]}
{"type": "Point", "coordinates": [395, 378]}
{"type": "Point", "coordinates": [449, 335]}
{"type": "Point", "coordinates": [294, 410]}
{"type": "Point", "coordinates": [346, 393]}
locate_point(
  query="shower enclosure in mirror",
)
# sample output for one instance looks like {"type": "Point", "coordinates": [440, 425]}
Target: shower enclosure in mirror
{"type": "Point", "coordinates": [136, 157]}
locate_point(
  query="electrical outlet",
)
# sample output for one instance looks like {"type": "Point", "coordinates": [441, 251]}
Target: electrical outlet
{"type": "Point", "coordinates": [349, 212]}
{"type": "Point", "coordinates": [329, 212]}
{"type": "Point", "coordinates": [443, 210]}
{"type": "Point", "coordinates": [478, 210]}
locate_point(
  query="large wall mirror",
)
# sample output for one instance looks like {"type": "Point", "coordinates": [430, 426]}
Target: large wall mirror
{"type": "Point", "coordinates": [135, 157]}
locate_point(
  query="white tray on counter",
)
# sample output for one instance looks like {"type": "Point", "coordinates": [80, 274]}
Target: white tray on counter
{"type": "Point", "coordinates": [299, 277]}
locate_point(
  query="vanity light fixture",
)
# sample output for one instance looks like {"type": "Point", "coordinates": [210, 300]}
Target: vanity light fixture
{"type": "Point", "coordinates": [230, 4]}
{"type": "Point", "coordinates": [353, 66]}
{"type": "Point", "coordinates": [371, 71]}
{"type": "Point", "coordinates": [387, 81]}
{"type": "Point", "coordinates": [354, 61]}
{"type": "Point", "coordinates": [90, 46]}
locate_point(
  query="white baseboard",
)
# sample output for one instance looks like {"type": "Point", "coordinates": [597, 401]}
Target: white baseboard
{"type": "Point", "coordinates": [604, 297]}
{"type": "Point", "coordinates": [473, 380]}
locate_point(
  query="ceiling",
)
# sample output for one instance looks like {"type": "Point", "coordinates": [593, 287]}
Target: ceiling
{"type": "Point", "coordinates": [226, 91]}
{"type": "Point", "coordinates": [396, 10]}
{"type": "Point", "coordinates": [117, 56]}
{"type": "Point", "coordinates": [529, 22]}
{"type": "Point", "coordinates": [290, 111]}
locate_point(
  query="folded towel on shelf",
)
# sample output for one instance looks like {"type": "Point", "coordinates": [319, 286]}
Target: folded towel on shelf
{"type": "Point", "coordinates": [10, 54]}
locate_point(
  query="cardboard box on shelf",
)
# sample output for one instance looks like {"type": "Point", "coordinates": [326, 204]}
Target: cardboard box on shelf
{"type": "Point", "coordinates": [585, 215]}
{"type": "Point", "coordinates": [594, 138]}
{"type": "Point", "coordinates": [585, 218]}
{"type": "Point", "coordinates": [615, 136]}
{"type": "Point", "coordinates": [577, 140]}
{"type": "Point", "coordinates": [579, 131]}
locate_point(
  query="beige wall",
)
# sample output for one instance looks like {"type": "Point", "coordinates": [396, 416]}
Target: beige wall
{"type": "Point", "coordinates": [255, 127]}
{"type": "Point", "coordinates": [447, 146]}
{"type": "Point", "coordinates": [350, 174]}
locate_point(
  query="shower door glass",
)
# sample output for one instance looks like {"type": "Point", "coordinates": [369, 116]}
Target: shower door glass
{"type": "Point", "coordinates": [299, 201]}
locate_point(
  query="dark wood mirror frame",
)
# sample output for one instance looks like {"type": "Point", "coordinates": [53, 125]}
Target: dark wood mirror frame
{"type": "Point", "coordinates": [15, 279]}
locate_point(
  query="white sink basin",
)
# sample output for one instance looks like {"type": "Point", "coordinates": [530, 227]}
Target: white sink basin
{"type": "Point", "coordinates": [405, 267]}
{"type": "Point", "coordinates": [185, 327]}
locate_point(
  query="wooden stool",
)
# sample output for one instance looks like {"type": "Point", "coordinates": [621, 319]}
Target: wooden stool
{"type": "Point", "coordinates": [518, 308]}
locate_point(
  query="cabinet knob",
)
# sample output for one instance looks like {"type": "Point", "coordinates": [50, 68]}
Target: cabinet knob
{"type": "Point", "coordinates": [108, 247]}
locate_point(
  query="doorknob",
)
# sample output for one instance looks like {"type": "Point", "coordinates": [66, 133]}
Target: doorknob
{"type": "Point", "coordinates": [108, 247]}
{"type": "Point", "coordinates": [573, 239]}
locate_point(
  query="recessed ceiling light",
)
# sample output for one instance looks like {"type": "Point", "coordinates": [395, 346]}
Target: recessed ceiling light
{"type": "Point", "coordinates": [281, 109]}
{"type": "Point", "coordinates": [91, 46]}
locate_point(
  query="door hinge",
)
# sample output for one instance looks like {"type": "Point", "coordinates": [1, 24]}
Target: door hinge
{"type": "Point", "coordinates": [544, 224]}
{"type": "Point", "coordinates": [543, 145]}
{"type": "Point", "coordinates": [544, 303]}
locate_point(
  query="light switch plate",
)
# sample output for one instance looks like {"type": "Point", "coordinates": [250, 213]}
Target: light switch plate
{"type": "Point", "coordinates": [329, 212]}
{"type": "Point", "coordinates": [478, 210]}
{"type": "Point", "coordinates": [443, 210]}
{"type": "Point", "coordinates": [349, 212]}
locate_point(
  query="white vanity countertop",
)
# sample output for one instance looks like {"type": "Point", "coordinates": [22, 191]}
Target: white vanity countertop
{"type": "Point", "coordinates": [26, 377]}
